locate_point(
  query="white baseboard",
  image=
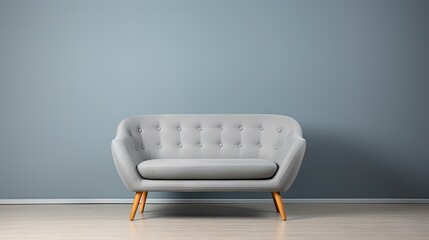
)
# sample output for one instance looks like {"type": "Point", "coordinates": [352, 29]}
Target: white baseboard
{"type": "Point", "coordinates": [216, 201]}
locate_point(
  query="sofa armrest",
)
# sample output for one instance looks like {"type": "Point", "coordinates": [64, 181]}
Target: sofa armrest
{"type": "Point", "coordinates": [289, 162]}
{"type": "Point", "coordinates": [126, 160]}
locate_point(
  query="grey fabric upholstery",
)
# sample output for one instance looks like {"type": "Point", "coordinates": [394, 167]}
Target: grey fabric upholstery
{"type": "Point", "coordinates": [205, 169]}
{"type": "Point", "coordinates": [217, 136]}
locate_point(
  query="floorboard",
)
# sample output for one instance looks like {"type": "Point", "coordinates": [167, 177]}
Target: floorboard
{"type": "Point", "coordinates": [215, 221]}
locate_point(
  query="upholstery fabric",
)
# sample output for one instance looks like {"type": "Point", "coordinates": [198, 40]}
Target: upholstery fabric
{"type": "Point", "coordinates": [208, 136]}
{"type": "Point", "coordinates": [204, 169]}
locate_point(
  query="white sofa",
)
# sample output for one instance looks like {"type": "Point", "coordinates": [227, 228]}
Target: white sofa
{"type": "Point", "coordinates": [208, 153]}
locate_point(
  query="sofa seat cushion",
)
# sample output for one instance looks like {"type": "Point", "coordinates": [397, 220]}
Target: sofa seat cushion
{"type": "Point", "coordinates": [205, 169]}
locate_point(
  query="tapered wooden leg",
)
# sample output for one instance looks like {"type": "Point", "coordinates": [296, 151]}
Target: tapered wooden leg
{"type": "Point", "coordinates": [275, 203]}
{"type": "Point", "coordinates": [143, 201]}
{"type": "Point", "coordinates": [278, 200]}
{"type": "Point", "coordinates": [135, 205]}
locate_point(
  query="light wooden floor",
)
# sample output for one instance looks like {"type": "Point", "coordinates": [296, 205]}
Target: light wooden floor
{"type": "Point", "coordinates": [215, 221]}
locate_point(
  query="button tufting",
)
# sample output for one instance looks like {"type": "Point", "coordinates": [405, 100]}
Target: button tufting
{"type": "Point", "coordinates": [159, 128]}
{"type": "Point", "coordinates": [239, 145]}
{"type": "Point", "coordinates": [220, 127]}
{"type": "Point", "coordinates": [261, 128]}
{"type": "Point", "coordinates": [275, 147]}
{"type": "Point", "coordinates": [200, 128]}
{"type": "Point", "coordinates": [179, 129]}
{"type": "Point", "coordinates": [143, 147]}
{"type": "Point", "coordinates": [180, 145]}
{"type": "Point", "coordinates": [140, 130]}
{"type": "Point", "coordinates": [241, 128]}
{"type": "Point", "coordinates": [200, 145]}
{"type": "Point", "coordinates": [259, 145]}
{"type": "Point", "coordinates": [279, 130]}
{"type": "Point", "coordinates": [220, 145]}
{"type": "Point", "coordinates": [159, 145]}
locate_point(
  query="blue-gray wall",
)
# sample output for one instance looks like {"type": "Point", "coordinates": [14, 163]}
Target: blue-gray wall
{"type": "Point", "coordinates": [355, 74]}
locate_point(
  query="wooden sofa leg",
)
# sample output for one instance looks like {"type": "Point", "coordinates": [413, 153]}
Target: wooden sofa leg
{"type": "Point", "coordinates": [274, 200]}
{"type": "Point", "coordinates": [279, 203]}
{"type": "Point", "coordinates": [135, 205]}
{"type": "Point", "coordinates": [143, 201]}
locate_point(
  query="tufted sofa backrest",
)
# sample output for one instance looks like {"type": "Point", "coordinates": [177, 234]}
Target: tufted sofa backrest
{"type": "Point", "coordinates": [209, 136]}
